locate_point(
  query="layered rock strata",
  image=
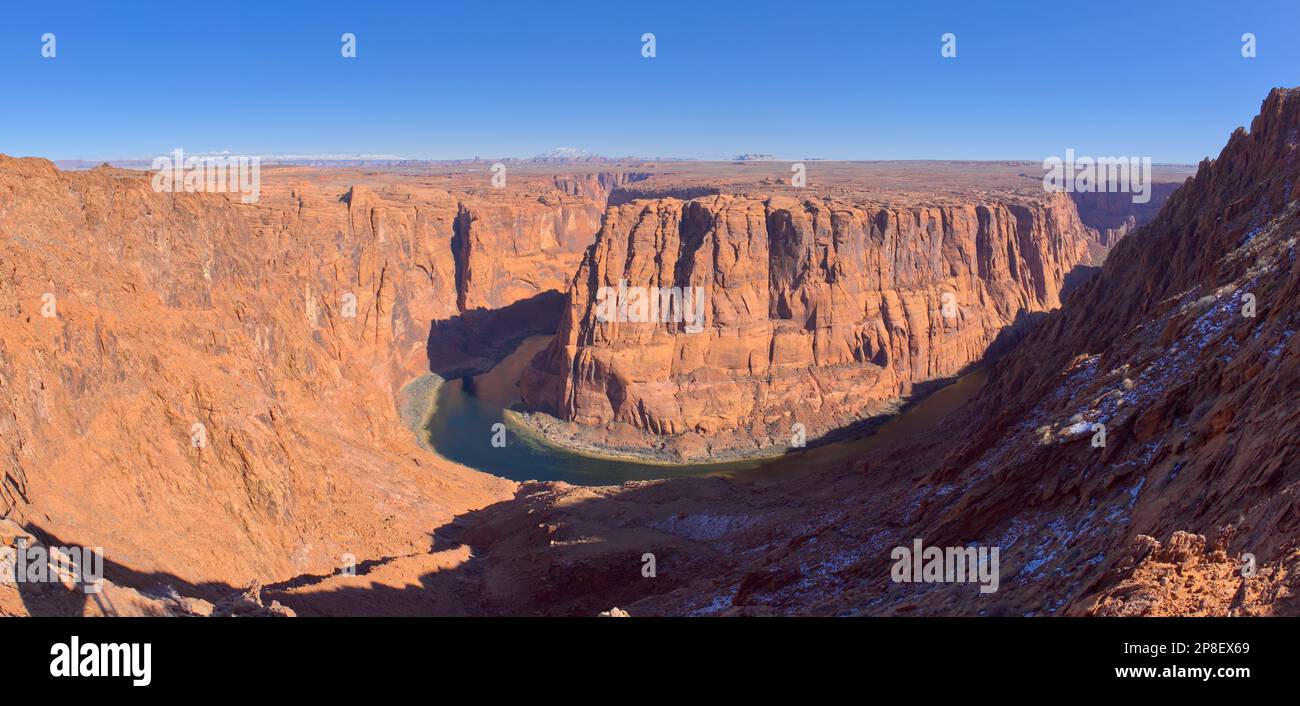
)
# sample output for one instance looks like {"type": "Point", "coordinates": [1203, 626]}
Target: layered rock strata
{"type": "Point", "coordinates": [816, 312]}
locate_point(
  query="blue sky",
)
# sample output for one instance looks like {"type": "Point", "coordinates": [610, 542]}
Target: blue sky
{"type": "Point", "coordinates": [844, 80]}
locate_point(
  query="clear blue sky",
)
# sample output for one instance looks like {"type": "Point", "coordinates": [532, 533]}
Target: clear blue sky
{"type": "Point", "coordinates": [846, 80]}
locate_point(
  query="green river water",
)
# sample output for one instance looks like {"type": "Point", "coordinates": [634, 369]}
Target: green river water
{"type": "Point", "coordinates": [460, 430]}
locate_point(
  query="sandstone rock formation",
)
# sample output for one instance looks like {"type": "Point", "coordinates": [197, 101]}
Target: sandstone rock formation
{"type": "Point", "coordinates": [817, 312]}
{"type": "Point", "coordinates": [1114, 215]}
{"type": "Point", "coordinates": [597, 185]}
{"type": "Point", "coordinates": [1198, 467]}
{"type": "Point", "coordinates": [483, 265]}
{"type": "Point", "coordinates": [1182, 348]}
{"type": "Point", "coordinates": [513, 249]}
{"type": "Point", "coordinates": [210, 390]}
{"type": "Point", "coordinates": [180, 386]}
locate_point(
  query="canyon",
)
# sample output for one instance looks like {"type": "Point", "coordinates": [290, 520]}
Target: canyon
{"type": "Point", "coordinates": [826, 308]}
{"type": "Point", "coordinates": [1181, 348]}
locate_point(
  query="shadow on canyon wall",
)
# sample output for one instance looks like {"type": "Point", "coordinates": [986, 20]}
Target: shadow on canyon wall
{"type": "Point", "coordinates": [473, 341]}
{"type": "Point", "coordinates": [1076, 278]}
{"type": "Point", "coordinates": [1026, 321]}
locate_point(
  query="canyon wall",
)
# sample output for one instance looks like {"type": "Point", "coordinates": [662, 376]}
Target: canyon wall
{"type": "Point", "coordinates": [597, 185]}
{"type": "Point", "coordinates": [183, 381]}
{"type": "Point", "coordinates": [510, 249]}
{"type": "Point", "coordinates": [1182, 351]}
{"type": "Point", "coordinates": [434, 273]}
{"type": "Point", "coordinates": [477, 269]}
{"type": "Point", "coordinates": [213, 392]}
{"type": "Point", "coordinates": [1114, 215]}
{"type": "Point", "coordinates": [816, 312]}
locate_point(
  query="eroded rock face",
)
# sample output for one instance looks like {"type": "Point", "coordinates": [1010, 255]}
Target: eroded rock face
{"type": "Point", "coordinates": [181, 385]}
{"type": "Point", "coordinates": [511, 249]}
{"type": "Point", "coordinates": [598, 185]}
{"type": "Point", "coordinates": [1114, 215]}
{"type": "Point", "coordinates": [1182, 349]}
{"type": "Point", "coordinates": [485, 267]}
{"type": "Point", "coordinates": [213, 391]}
{"type": "Point", "coordinates": [816, 312]}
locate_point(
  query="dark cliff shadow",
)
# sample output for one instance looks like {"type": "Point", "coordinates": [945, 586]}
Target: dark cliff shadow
{"type": "Point", "coordinates": [523, 557]}
{"type": "Point", "coordinates": [533, 577]}
{"type": "Point", "coordinates": [1011, 336]}
{"type": "Point", "coordinates": [53, 599]}
{"type": "Point", "coordinates": [57, 599]}
{"type": "Point", "coordinates": [1076, 278]}
{"type": "Point", "coordinates": [1026, 321]}
{"type": "Point", "coordinates": [472, 342]}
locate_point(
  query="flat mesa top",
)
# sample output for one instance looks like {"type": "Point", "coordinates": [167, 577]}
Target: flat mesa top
{"type": "Point", "coordinates": [894, 182]}
{"type": "Point", "coordinates": [883, 181]}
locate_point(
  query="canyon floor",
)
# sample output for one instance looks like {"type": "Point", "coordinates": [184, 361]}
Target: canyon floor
{"type": "Point", "coordinates": [228, 397]}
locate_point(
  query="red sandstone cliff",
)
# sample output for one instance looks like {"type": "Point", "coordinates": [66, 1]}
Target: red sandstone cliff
{"type": "Point", "coordinates": [1182, 348]}
{"type": "Point", "coordinates": [1114, 215]}
{"type": "Point", "coordinates": [483, 266]}
{"type": "Point", "coordinates": [287, 329]}
{"type": "Point", "coordinates": [509, 249]}
{"type": "Point", "coordinates": [817, 312]}
{"type": "Point", "coordinates": [169, 311]}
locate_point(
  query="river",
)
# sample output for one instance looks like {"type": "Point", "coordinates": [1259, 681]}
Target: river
{"type": "Point", "coordinates": [460, 429]}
